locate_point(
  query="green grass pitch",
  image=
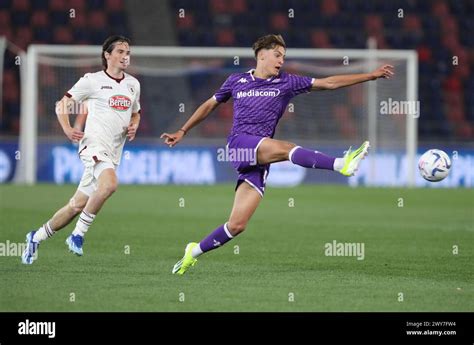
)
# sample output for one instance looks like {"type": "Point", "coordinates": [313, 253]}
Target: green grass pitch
{"type": "Point", "coordinates": [278, 264]}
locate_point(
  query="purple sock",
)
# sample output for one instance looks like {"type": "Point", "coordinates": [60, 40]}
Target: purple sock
{"type": "Point", "coordinates": [311, 159]}
{"type": "Point", "coordinates": [216, 239]}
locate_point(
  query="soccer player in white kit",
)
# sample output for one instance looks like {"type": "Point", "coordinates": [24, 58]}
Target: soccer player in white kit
{"type": "Point", "coordinates": [113, 115]}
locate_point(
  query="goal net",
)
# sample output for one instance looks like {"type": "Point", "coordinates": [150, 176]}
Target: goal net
{"type": "Point", "coordinates": [175, 80]}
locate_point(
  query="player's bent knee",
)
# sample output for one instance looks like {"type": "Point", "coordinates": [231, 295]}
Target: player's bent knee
{"type": "Point", "coordinates": [287, 147]}
{"type": "Point", "coordinates": [109, 188]}
{"type": "Point", "coordinates": [75, 206]}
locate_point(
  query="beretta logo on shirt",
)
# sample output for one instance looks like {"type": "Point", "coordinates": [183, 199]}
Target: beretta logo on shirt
{"type": "Point", "coordinates": [120, 102]}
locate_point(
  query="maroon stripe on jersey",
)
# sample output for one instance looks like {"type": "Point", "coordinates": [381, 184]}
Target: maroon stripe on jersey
{"type": "Point", "coordinates": [116, 79]}
{"type": "Point", "coordinates": [85, 147]}
{"type": "Point", "coordinates": [68, 95]}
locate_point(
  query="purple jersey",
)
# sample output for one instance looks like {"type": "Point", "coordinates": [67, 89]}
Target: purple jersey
{"type": "Point", "coordinates": [260, 103]}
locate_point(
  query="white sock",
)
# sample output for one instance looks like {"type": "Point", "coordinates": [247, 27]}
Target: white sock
{"type": "Point", "coordinates": [338, 164]}
{"type": "Point", "coordinates": [85, 220]}
{"type": "Point", "coordinates": [196, 251]}
{"type": "Point", "coordinates": [43, 233]}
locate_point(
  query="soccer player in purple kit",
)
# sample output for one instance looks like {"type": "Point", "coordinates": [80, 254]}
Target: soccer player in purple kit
{"type": "Point", "coordinates": [260, 98]}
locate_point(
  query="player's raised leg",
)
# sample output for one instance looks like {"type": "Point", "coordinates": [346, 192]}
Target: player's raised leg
{"type": "Point", "coordinates": [107, 184]}
{"type": "Point", "coordinates": [271, 151]}
{"type": "Point", "coordinates": [246, 202]}
{"type": "Point", "coordinates": [60, 219]}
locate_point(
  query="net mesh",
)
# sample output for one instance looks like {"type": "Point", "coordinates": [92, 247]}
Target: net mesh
{"type": "Point", "coordinates": [172, 88]}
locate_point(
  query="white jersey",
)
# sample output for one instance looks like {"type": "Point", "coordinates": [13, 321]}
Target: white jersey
{"type": "Point", "coordinates": [110, 104]}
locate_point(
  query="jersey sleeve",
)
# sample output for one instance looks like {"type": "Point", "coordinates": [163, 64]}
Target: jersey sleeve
{"type": "Point", "coordinates": [299, 84]}
{"type": "Point", "coordinates": [82, 89]}
{"type": "Point", "coordinates": [136, 104]}
{"type": "Point", "coordinates": [225, 92]}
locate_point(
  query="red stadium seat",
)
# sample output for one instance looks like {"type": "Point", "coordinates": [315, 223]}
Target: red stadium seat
{"type": "Point", "coordinates": [97, 20]}
{"type": "Point", "coordinates": [455, 115]}
{"type": "Point", "coordinates": [58, 5]}
{"type": "Point", "coordinates": [9, 78]}
{"type": "Point", "coordinates": [114, 5]}
{"type": "Point", "coordinates": [453, 99]}
{"type": "Point", "coordinates": [320, 39]}
{"type": "Point", "coordinates": [412, 23]}
{"type": "Point", "coordinates": [63, 35]}
{"type": "Point", "coordinates": [186, 22]}
{"type": "Point", "coordinates": [452, 84]}
{"type": "Point", "coordinates": [440, 9]}
{"type": "Point", "coordinates": [239, 6]}
{"type": "Point", "coordinates": [279, 21]}
{"type": "Point", "coordinates": [78, 5]}
{"type": "Point", "coordinates": [7, 32]}
{"type": "Point", "coordinates": [226, 37]}
{"type": "Point", "coordinates": [424, 54]}
{"type": "Point", "coordinates": [23, 37]}
{"type": "Point", "coordinates": [80, 21]}
{"type": "Point", "coordinates": [329, 7]}
{"type": "Point", "coordinates": [20, 5]}
{"type": "Point", "coordinates": [15, 125]}
{"type": "Point", "coordinates": [449, 25]}
{"type": "Point", "coordinates": [450, 42]}
{"type": "Point", "coordinates": [462, 69]}
{"type": "Point", "coordinates": [10, 87]}
{"type": "Point", "coordinates": [465, 130]}
{"type": "Point", "coordinates": [373, 24]}
{"type": "Point", "coordinates": [219, 6]}
{"type": "Point", "coordinates": [40, 19]}
{"type": "Point", "coordinates": [4, 20]}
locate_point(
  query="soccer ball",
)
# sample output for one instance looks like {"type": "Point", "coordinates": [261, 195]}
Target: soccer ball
{"type": "Point", "coordinates": [434, 165]}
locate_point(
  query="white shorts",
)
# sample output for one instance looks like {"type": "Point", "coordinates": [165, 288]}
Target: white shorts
{"type": "Point", "coordinates": [95, 162]}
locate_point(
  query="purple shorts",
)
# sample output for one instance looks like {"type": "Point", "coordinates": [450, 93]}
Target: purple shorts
{"type": "Point", "coordinates": [242, 150]}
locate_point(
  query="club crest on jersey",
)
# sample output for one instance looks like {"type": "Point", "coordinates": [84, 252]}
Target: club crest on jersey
{"type": "Point", "coordinates": [120, 102]}
{"type": "Point", "coordinates": [131, 88]}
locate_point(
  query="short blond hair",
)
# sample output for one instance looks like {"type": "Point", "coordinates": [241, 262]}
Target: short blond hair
{"type": "Point", "coordinates": [268, 42]}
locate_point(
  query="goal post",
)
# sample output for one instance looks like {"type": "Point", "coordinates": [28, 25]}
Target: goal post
{"type": "Point", "coordinates": [173, 70]}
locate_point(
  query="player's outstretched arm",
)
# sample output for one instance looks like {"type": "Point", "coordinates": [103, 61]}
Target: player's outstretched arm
{"type": "Point", "coordinates": [199, 115]}
{"type": "Point", "coordinates": [338, 81]}
{"type": "Point", "coordinates": [62, 111]}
